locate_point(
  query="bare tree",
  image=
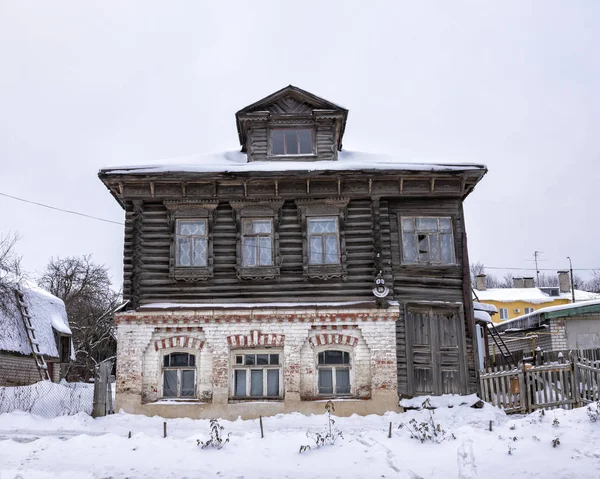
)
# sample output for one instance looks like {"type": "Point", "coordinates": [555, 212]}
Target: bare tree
{"type": "Point", "coordinates": [478, 268]}
{"type": "Point", "coordinates": [593, 285]}
{"type": "Point", "coordinates": [86, 290]}
{"type": "Point", "coordinates": [10, 271]}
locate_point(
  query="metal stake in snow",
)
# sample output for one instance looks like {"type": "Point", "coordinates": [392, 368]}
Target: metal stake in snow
{"type": "Point", "coordinates": [165, 429]}
{"type": "Point", "coordinates": [390, 431]}
{"type": "Point", "coordinates": [262, 433]}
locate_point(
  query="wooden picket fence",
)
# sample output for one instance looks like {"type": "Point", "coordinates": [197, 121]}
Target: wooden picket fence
{"type": "Point", "coordinates": [527, 388]}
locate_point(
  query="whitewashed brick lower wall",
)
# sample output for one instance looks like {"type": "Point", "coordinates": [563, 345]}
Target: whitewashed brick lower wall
{"type": "Point", "coordinates": [558, 333]}
{"type": "Point", "coordinates": [144, 337]}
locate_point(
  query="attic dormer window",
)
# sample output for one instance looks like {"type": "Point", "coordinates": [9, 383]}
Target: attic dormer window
{"type": "Point", "coordinates": [291, 141]}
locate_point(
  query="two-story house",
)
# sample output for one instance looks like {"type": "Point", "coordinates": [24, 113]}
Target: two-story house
{"type": "Point", "coordinates": [292, 271]}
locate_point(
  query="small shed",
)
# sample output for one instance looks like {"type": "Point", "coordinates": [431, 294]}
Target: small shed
{"type": "Point", "coordinates": [555, 328]}
{"type": "Point", "coordinates": [52, 332]}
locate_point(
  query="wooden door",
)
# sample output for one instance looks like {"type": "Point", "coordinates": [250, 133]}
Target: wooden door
{"type": "Point", "coordinates": [435, 350]}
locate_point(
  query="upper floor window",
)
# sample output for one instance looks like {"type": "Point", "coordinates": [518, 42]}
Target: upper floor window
{"type": "Point", "coordinates": [257, 242]}
{"type": "Point", "coordinates": [323, 241]}
{"type": "Point", "coordinates": [192, 242]}
{"type": "Point", "coordinates": [257, 374]}
{"type": "Point", "coordinates": [529, 310]}
{"type": "Point", "coordinates": [334, 372]}
{"type": "Point", "coordinates": [292, 141]}
{"type": "Point", "coordinates": [427, 240]}
{"type": "Point", "coordinates": [179, 375]}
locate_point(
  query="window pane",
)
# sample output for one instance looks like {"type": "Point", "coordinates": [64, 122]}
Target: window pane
{"type": "Point", "coordinates": [179, 359]}
{"type": "Point", "coordinates": [434, 248]}
{"type": "Point", "coordinates": [315, 247]}
{"type": "Point", "coordinates": [191, 360]}
{"type": "Point", "coordinates": [423, 248]}
{"type": "Point", "coordinates": [247, 227]}
{"type": "Point", "coordinates": [331, 249]}
{"type": "Point", "coordinates": [325, 225]}
{"type": "Point", "coordinates": [250, 359]}
{"type": "Point", "coordinates": [266, 250]}
{"type": "Point", "coordinates": [427, 224]}
{"type": "Point", "coordinates": [166, 361]}
{"type": "Point", "coordinates": [197, 227]}
{"type": "Point", "coordinates": [277, 142]}
{"type": "Point", "coordinates": [273, 382]}
{"type": "Point", "coordinates": [409, 247]}
{"type": "Point", "coordinates": [274, 359]}
{"type": "Point", "coordinates": [184, 252]}
{"type": "Point", "coordinates": [249, 251]}
{"type": "Point", "coordinates": [262, 359]}
{"type": "Point", "coordinates": [240, 383]}
{"type": "Point", "coordinates": [239, 360]}
{"type": "Point", "coordinates": [334, 357]}
{"type": "Point", "coordinates": [445, 225]}
{"type": "Point", "coordinates": [188, 383]}
{"type": "Point", "coordinates": [305, 137]}
{"type": "Point", "coordinates": [447, 247]}
{"type": "Point", "coordinates": [199, 258]}
{"type": "Point", "coordinates": [291, 142]}
{"type": "Point", "coordinates": [261, 226]}
{"type": "Point", "coordinates": [325, 381]}
{"type": "Point", "coordinates": [256, 382]}
{"type": "Point", "coordinates": [408, 224]}
{"type": "Point", "coordinates": [170, 383]}
{"type": "Point", "coordinates": [342, 381]}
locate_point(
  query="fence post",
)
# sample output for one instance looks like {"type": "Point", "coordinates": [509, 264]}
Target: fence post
{"type": "Point", "coordinates": [575, 383]}
{"type": "Point", "coordinates": [523, 386]}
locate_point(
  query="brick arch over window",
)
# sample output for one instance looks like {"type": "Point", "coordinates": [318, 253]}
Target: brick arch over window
{"type": "Point", "coordinates": [255, 338]}
{"type": "Point", "coordinates": [332, 339]}
{"type": "Point", "coordinates": [178, 342]}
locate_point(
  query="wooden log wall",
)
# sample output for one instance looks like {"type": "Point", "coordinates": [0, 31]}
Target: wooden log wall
{"type": "Point", "coordinates": [155, 285]}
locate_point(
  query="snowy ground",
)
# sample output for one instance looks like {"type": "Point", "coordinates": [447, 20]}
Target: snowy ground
{"type": "Point", "coordinates": [78, 446]}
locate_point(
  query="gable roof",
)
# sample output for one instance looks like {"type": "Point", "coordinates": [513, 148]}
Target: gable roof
{"type": "Point", "coordinates": [289, 101]}
{"type": "Point", "coordinates": [48, 314]}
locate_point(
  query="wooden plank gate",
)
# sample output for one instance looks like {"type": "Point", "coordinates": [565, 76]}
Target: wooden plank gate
{"type": "Point", "coordinates": [528, 388]}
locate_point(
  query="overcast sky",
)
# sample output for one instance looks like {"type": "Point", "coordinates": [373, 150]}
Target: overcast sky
{"type": "Point", "coordinates": [512, 84]}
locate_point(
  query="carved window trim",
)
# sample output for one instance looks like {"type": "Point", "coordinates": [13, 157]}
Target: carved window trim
{"type": "Point", "coordinates": [312, 208]}
{"type": "Point", "coordinates": [256, 210]}
{"type": "Point", "coordinates": [191, 210]}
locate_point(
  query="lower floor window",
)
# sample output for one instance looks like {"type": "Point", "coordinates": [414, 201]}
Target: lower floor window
{"type": "Point", "coordinates": [256, 375]}
{"type": "Point", "coordinates": [334, 372]}
{"type": "Point", "coordinates": [179, 375]}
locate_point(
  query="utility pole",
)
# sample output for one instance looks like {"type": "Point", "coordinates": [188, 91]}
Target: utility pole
{"type": "Point", "coordinates": [537, 271]}
{"type": "Point", "coordinates": [571, 273]}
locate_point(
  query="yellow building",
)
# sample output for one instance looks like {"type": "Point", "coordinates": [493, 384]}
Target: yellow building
{"type": "Point", "coordinates": [524, 297]}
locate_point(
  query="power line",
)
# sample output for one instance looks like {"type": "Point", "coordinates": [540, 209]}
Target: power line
{"type": "Point", "coordinates": [541, 269]}
{"type": "Point", "coordinates": [60, 209]}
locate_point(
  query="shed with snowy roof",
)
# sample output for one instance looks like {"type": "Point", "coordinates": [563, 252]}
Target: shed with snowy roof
{"type": "Point", "coordinates": [554, 328]}
{"type": "Point", "coordinates": [51, 333]}
{"type": "Point", "coordinates": [263, 280]}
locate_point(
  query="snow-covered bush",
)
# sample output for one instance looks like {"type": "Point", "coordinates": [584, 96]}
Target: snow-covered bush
{"type": "Point", "coordinates": [216, 439]}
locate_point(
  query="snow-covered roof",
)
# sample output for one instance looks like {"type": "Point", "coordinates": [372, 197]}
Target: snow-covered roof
{"type": "Point", "coordinates": [535, 319]}
{"type": "Point", "coordinates": [531, 295]}
{"type": "Point", "coordinates": [48, 314]}
{"type": "Point", "coordinates": [237, 162]}
{"type": "Point", "coordinates": [482, 316]}
{"type": "Point", "coordinates": [489, 308]}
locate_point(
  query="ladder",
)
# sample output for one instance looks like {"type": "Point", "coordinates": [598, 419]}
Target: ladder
{"type": "Point", "coordinates": [502, 347]}
{"type": "Point", "coordinates": [33, 342]}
